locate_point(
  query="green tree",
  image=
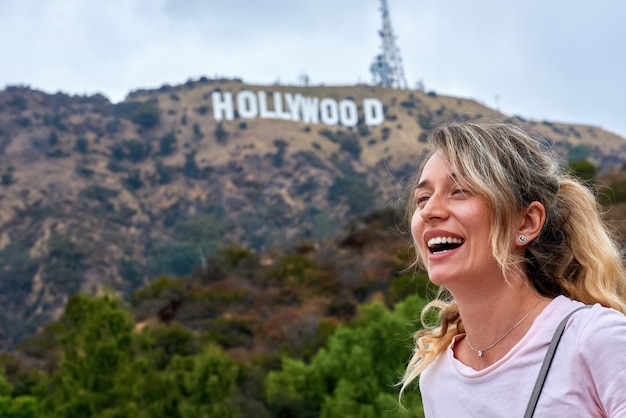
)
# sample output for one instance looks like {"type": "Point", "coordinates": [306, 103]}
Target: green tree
{"type": "Point", "coordinates": [20, 407]}
{"type": "Point", "coordinates": [97, 375]}
{"type": "Point", "coordinates": [168, 341]}
{"type": "Point", "coordinates": [355, 374]}
{"type": "Point", "coordinates": [209, 379]}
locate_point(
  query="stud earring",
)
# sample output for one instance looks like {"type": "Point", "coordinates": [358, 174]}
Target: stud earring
{"type": "Point", "coordinates": [522, 238]}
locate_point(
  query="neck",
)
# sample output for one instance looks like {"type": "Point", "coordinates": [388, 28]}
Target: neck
{"type": "Point", "coordinates": [492, 315]}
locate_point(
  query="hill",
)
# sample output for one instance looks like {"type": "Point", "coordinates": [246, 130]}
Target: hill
{"type": "Point", "coordinates": [99, 195]}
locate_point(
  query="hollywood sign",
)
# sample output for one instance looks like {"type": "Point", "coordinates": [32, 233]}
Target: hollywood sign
{"type": "Point", "coordinates": [295, 107]}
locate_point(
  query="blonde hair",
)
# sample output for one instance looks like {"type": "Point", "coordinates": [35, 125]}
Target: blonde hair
{"type": "Point", "coordinates": [574, 255]}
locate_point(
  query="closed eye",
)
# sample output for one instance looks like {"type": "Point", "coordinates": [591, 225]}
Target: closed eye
{"type": "Point", "coordinates": [461, 192]}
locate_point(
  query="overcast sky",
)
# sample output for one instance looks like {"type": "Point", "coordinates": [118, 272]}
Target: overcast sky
{"type": "Point", "coordinates": [557, 60]}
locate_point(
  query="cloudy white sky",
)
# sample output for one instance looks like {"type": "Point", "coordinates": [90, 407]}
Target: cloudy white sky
{"type": "Point", "coordinates": [557, 60]}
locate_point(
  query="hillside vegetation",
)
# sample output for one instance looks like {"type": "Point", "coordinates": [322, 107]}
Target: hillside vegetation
{"type": "Point", "coordinates": [319, 330]}
{"type": "Point", "coordinates": [97, 196]}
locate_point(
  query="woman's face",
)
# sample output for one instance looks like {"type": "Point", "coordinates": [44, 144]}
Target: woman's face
{"type": "Point", "coordinates": [451, 228]}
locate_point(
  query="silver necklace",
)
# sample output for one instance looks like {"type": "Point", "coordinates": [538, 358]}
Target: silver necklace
{"type": "Point", "coordinates": [517, 324]}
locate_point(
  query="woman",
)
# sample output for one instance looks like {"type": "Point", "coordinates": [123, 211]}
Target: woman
{"type": "Point", "coordinates": [515, 246]}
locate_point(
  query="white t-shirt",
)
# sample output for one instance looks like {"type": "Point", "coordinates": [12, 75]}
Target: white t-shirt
{"type": "Point", "coordinates": [587, 377]}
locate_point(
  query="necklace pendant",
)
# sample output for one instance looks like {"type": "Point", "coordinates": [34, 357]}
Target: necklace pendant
{"type": "Point", "coordinates": [480, 353]}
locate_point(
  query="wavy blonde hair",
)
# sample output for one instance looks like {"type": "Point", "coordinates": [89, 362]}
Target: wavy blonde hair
{"type": "Point", "coordinates": [574, 255]}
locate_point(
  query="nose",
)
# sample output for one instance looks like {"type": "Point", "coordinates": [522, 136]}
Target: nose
{"type": "Point", "coordinates": [434, 208]}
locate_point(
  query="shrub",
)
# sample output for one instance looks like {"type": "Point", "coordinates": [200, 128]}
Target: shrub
{"type": "Point", "coordinates": [57, 153]}
{"type": "Point", "coordinates": [62, 262]}
{"type": "Point", "coordinates": [191, 168]}
{"type": "Point", "coordinates": [578, 153]}
{"type": "Point", "coordinates": [386, 131]}
{"type": "Point", "coordinates": [53, 139]}
{"type": "Point", "coordinates": [7, 177]}
{"type": "Point", "coordinates": [100, 193]}
{"type": "Point", "coordinates": [352, 145]}
{"type": "Point", "coordinates": [425, 121]}
{"type": "Point", "coordinates": [131, 271]}
{"type": "Point", "coordinates": [146, 115]}
{"type": "Point", "coordinates": [133, 180]}
{"type": "Point", "coordinates": [136, 150]}
{"type": "Point", "coordinates": [165, 173]}
{"type": "Point", "coordinates": [24, 121]}
{"type": "Point", "coordinates": [353, 191]}
{"type": "Point", "coordinates": [156, 289]}
{"type": "Point", "coordinates": [220, 133]}
{"type": "Point", "coordinates": [583, 169]}
{"type": "Point", "coordinates": [202, 110]}
{"type": "Point", "coordinates": [230, 332]}
{"type": "Point", "coordinates": [232, 254]}
{"type": "Point", "coordinates": [55, 121]}
{"type": "Point", "coordinates": [82, 145]}
{"type": "Point", "coordinates": [83, 171]}
{"type": "Point", "coordinates": [113, 126]}
{"type": "Point", "coordinates": [177, 258]}
{"type": "Point", "coordinates": [167, 143]}
{"type": "Point", "coordinates": [197, 132]}
{"type": "Point", "coordinates": [117, 152]}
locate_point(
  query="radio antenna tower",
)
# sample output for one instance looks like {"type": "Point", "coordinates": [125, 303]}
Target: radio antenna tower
{"type": "Point", "coordinates": [387, 67]}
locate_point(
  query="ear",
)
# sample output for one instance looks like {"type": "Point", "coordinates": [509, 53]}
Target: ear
{"type": "Point", "coordinates": [531, 223]}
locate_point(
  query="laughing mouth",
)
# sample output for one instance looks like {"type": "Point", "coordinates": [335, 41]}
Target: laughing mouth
{"type": "Point", "coordinates": [439, 245]}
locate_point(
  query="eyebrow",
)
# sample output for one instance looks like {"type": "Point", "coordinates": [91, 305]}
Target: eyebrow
{"type": "Point", "coordinates": [424, 183]}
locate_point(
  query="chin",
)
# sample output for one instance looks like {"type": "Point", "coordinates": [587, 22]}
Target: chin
{"type": "Point", "coordinates": [440, 278]}
{"type": "Point", "coordinates": [435, 278]}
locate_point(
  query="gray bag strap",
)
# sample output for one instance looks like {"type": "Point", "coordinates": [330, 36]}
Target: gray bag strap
{"type": "Point", "coordinates": [547, 361]}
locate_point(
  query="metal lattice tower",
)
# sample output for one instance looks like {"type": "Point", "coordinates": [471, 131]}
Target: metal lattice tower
{"type": "Point", "coordinates": [387, 67]}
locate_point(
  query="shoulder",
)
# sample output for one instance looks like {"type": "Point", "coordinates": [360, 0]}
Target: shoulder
{"type": "Point", "coordinates": [597, 325]}
{"type": "Point", "coordinates": [596, 318]}
{"type": "Point", "coordinates": [598, 336]}
{"type": "Point", "coordinates": [586, 377]}
{"type": "Point", "coordinates": [589, 329]}
{"type": "Point", "coordinates": [594, 338]}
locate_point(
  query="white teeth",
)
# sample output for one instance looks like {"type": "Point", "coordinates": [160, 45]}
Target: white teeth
{"type": "Point", "coordinates": [444, 240]}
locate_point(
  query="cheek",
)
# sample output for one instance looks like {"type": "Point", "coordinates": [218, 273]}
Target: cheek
{"type": "Point", "coordinates": [416, 226]}
{"type": "Point", "coordinates": [417, 230]}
